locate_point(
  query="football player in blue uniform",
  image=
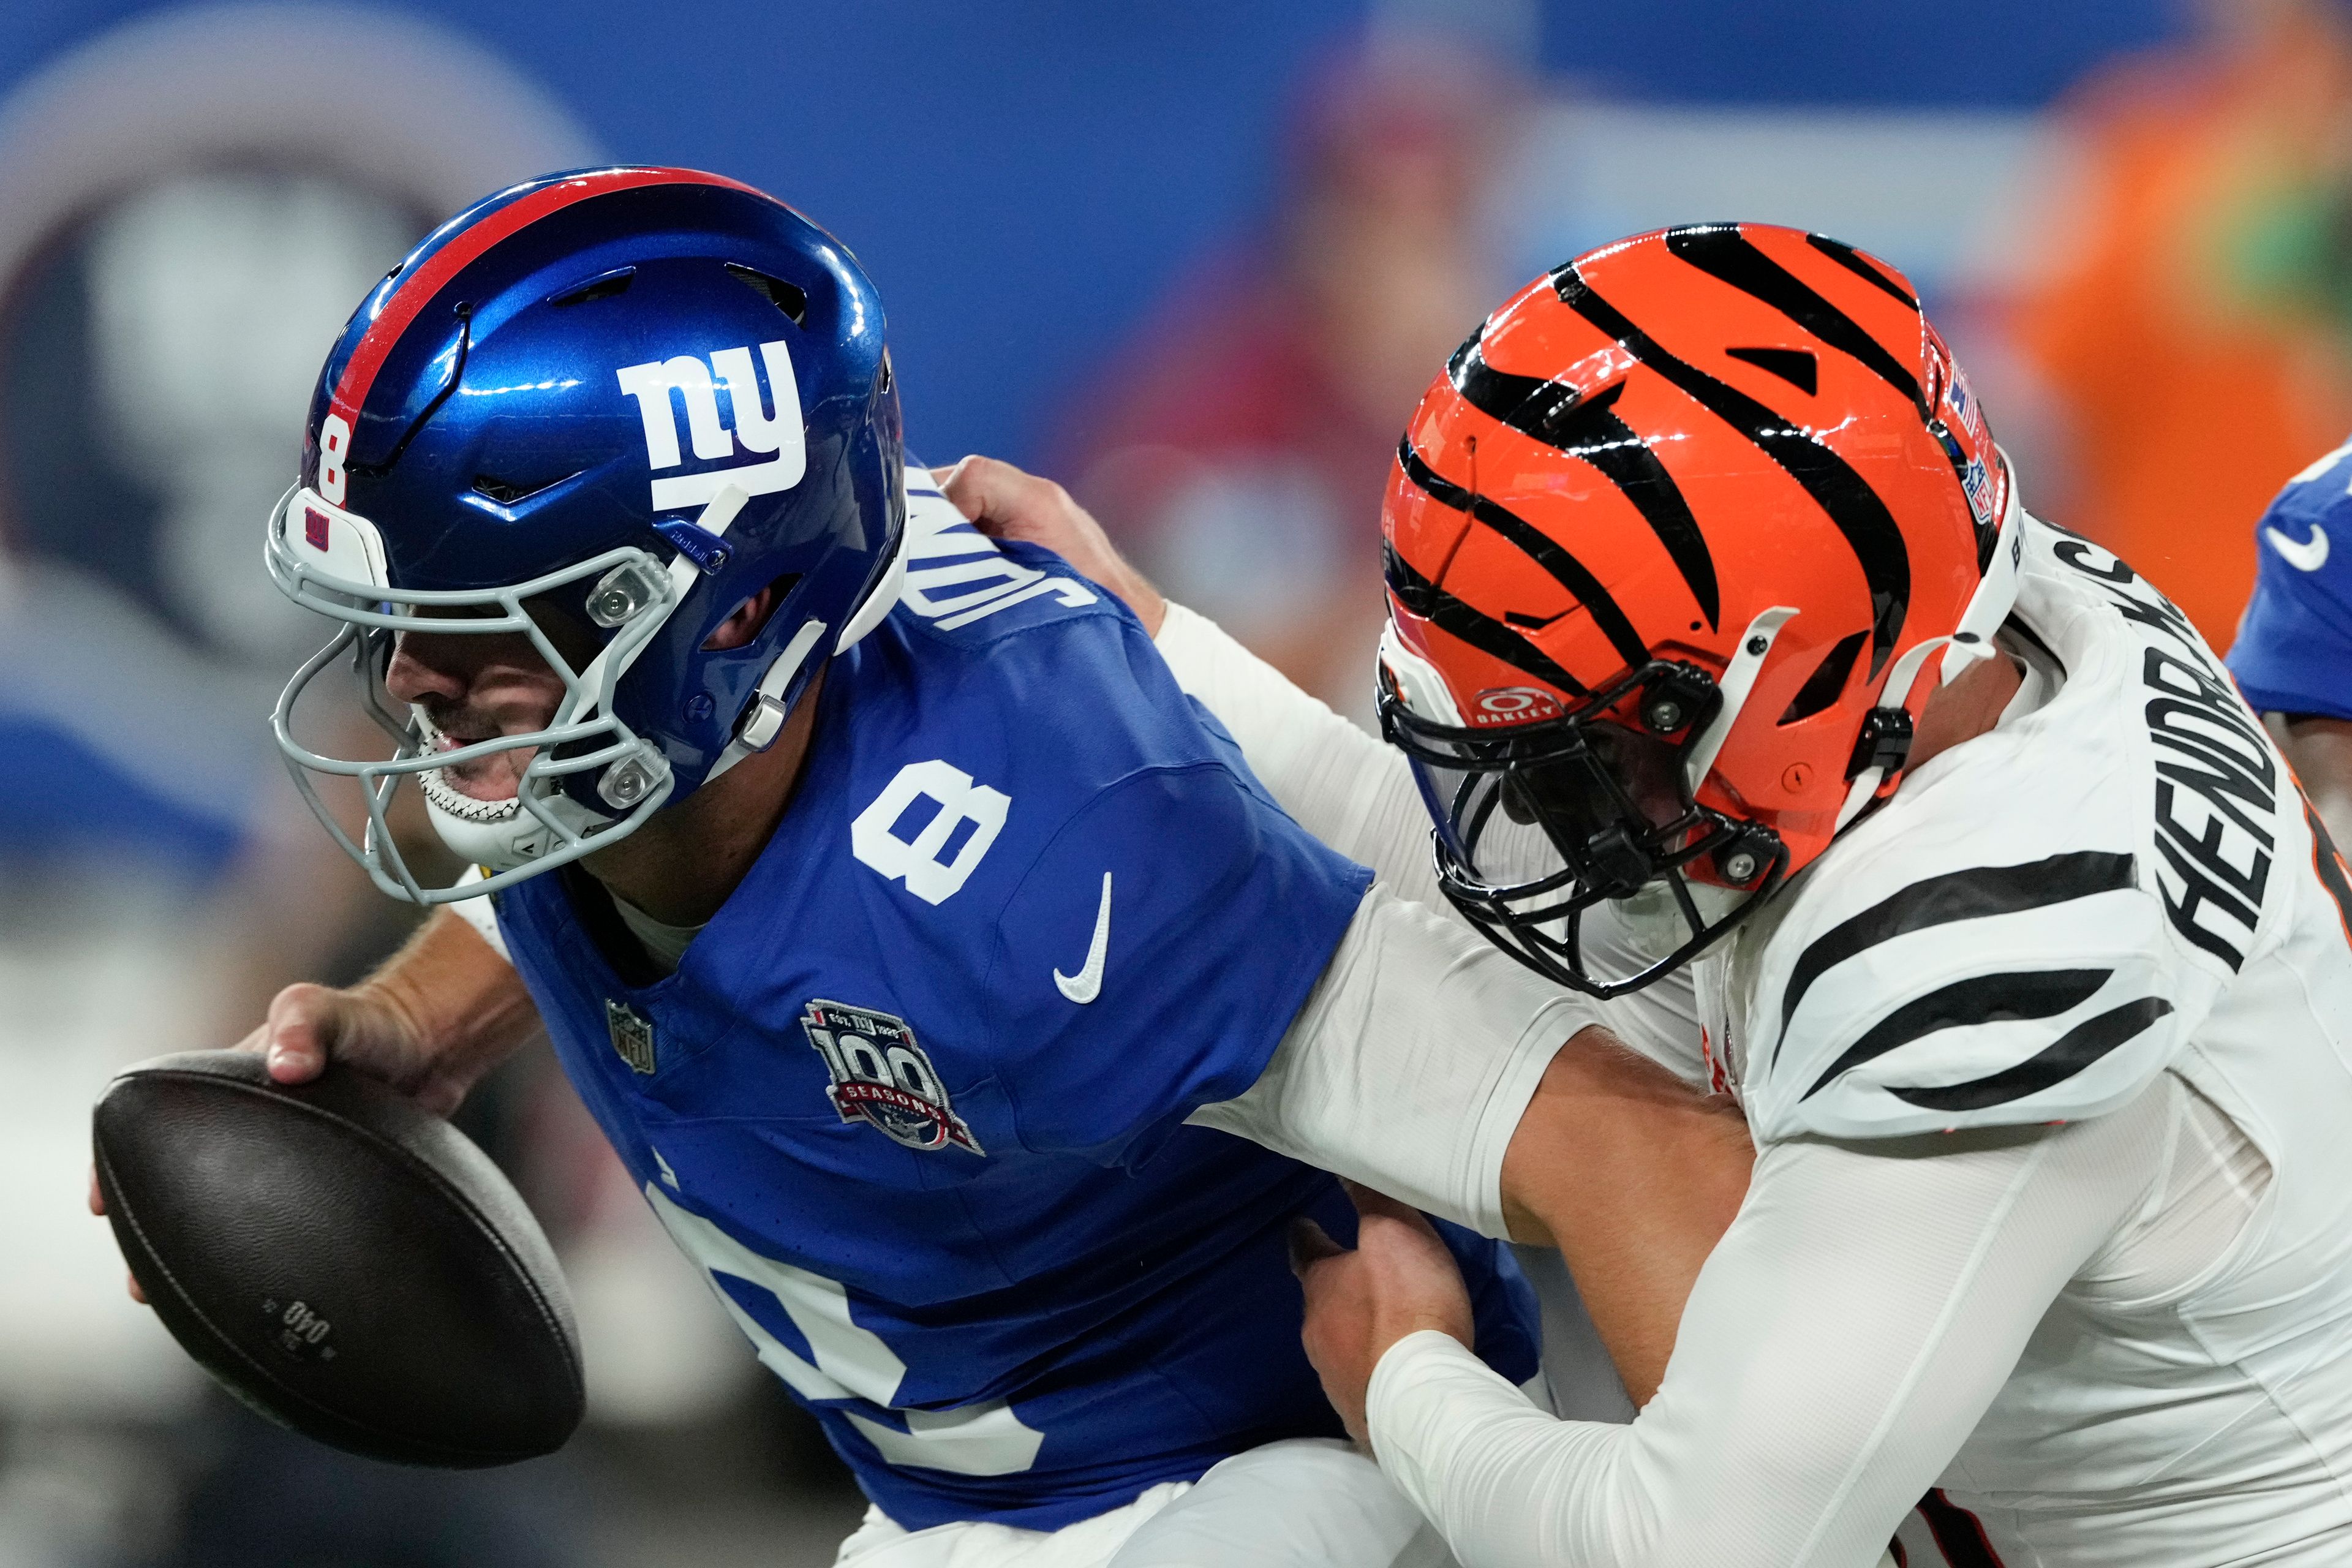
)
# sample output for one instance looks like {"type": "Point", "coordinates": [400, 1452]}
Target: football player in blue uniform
{"type": "Point", "coordinates": [906, 928]}
{"type": "Point", "coordinates": [2293, 657]}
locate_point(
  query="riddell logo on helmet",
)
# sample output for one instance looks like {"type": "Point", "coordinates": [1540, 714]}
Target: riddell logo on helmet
{"type": "Point", "coordinates": [777, 434]}
{"type": "Point", "coordinates": [1513, 705]}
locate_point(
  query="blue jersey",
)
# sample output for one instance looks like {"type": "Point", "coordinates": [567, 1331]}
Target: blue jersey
{"type": "Point", "coordinates": [2294, 651]}
{"type": "Point", "coordinates": [916, 1097]}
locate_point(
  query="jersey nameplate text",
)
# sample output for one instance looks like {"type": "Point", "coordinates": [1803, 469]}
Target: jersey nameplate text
{"type": "Point", "coordinates": [2217, 783]}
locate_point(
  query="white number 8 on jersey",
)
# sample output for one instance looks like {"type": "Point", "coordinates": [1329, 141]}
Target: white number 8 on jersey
{"type": "Point", "coordinates": [916, 861]}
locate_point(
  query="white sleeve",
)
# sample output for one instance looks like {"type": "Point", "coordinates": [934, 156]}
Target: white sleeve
{"type": "Point", "coordinates": [477, 912]}
{"type": "Point", "coordinates": [1355, 793]}
{"type": "Point", "coordinates": [1347, 788]}
{"type": "Point", "coordinates": [1411, 1064]}
{"type": "Point", "coordinates": [1842, 1340]}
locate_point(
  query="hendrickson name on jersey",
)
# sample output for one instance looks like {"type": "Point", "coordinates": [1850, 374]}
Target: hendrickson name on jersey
{"type": "Point", "coordinates": [2208, 745]}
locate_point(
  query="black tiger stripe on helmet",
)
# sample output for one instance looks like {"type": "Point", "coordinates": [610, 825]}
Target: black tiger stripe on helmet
{"type": "Point", "coordinates": [1723, 253]}
{"type": "Point", "coordinates": [1563, 418]}
{"type": "Point", "coordinates": [1857, 510]}
{"type": "Point", "coordinates": [1546, 552]}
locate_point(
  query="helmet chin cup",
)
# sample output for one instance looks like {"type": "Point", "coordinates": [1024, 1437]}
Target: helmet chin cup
{"type": "Point", "coordinates": [506, 838]}
{"type": "Point", "coordinates": [501, 835]}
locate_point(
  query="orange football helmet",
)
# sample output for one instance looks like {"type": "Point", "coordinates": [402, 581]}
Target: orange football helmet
{"type": "Point", "coordinates": [1667, 546]}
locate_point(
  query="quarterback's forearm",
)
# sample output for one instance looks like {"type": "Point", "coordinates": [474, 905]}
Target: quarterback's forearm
{"type": "Point", "coordinates": [464, 1002]}
{"type": "Point", "coordinates": [1842, 1340]}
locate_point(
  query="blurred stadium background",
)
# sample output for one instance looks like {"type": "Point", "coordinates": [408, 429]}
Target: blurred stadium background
{"type": "Point", "coordinates": [1197, 261]}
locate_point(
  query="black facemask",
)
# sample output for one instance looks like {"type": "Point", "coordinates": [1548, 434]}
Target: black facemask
{"type": "Point", "coordinates": [1539, 822]}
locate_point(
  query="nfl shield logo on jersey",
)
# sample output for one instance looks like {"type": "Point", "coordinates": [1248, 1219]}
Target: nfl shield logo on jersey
{"type": "Point", "coordinates": [632, 1035]}
{"type": "Point", "coordinates": [880, 1075]}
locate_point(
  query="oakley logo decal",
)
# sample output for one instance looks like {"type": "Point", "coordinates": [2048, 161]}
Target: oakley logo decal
{"type": "Point", "coordinates": [775, 440]}
{"type": "Point", "coordinates": [1513, 705]}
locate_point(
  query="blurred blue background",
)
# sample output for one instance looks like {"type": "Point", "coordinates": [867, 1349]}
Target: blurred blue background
{"type": "Point", "coordinates": [1024, 178]}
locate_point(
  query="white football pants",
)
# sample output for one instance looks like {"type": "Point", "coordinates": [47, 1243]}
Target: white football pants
{"type": "Point", "coordinates": [1307, 1502]}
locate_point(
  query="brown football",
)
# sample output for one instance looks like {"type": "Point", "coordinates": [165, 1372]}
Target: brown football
{"type": "Point", "coordinates": [342, 1262]}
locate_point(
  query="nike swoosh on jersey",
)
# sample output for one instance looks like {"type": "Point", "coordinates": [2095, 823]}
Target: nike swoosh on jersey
{"type": "Point", "coordinates": [2308, 556]}
{"type": "Point", "coordinates": [1087, 984]}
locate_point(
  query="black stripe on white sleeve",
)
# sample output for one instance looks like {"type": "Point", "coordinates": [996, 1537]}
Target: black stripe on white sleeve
{"type": "Point", "coordinates": [1979, 999]}
{"type": "Point", "coordinates": [2072, 1051]}
{"type": "Point", "coordinates": [1973, 894]}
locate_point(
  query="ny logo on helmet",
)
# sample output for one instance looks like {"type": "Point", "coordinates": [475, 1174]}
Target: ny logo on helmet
{"type": "Point", "coordinates": [775, 436]}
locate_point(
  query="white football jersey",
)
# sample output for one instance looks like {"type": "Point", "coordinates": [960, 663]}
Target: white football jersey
{"type": "Point", "coordinates": [2112, 906]}
{"type": "Point", "coordinates": [2118, 882]}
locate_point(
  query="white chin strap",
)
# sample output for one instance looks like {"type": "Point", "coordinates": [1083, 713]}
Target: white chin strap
{"type": "Point", "coordinates": [1970, 641]}
{"type": "Point", "coordinates": [763, 718]}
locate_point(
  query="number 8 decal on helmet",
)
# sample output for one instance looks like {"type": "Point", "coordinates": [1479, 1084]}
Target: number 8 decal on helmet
{"type": "Point", "coordinates": [1670, 547]}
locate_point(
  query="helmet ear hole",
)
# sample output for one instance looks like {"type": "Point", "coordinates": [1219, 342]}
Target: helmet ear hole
{"type": "Point", "coordinates": [789, 298]}
{"type": "Point", "coordinates": [1798, 367]}
{"type": "Point", "coordinates": [1821, 688]}
{"type": "Point", "coordinates": [747, 620]}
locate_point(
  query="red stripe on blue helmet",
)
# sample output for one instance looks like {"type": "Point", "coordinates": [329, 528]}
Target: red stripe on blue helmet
{"type": "Point", "coordinates": [414, 292]}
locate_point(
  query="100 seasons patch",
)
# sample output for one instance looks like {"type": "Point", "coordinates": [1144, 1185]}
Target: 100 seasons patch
{"type": "Point", "coordinates": [882, 1077]}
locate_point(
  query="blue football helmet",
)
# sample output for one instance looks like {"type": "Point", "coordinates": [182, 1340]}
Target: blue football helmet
{"type": "Point", "coordinates": [521, 430]}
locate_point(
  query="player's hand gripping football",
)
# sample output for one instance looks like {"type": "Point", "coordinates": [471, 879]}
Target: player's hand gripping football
{"type": "Point", "coordinates": [307, 1024]}
{"type": "Point", "coordinates": [1004, 502]}
{"type": "Point", "coordinates": [437, 1017]}
{"type": "Point", "coordinates": [1399, 1281]}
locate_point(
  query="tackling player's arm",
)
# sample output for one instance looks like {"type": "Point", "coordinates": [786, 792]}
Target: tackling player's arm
{"type": "Point", "coordinates": [1430, 1066]}
{"type": "Point", "coordinates": [1845, 1339]}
